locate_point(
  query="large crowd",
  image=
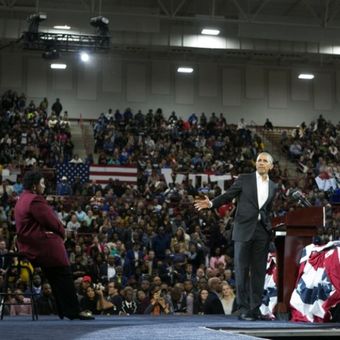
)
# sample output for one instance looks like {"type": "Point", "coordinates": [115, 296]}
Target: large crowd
{"type": "Point", "coordinates": [144, 249]}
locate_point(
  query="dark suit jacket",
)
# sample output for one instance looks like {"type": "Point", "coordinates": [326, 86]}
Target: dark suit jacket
{"type": "Point", "coordinates": [129, 265]}
{"type": "Point", "coordinates": [213, 305]}
{"type": "Point", "coordinates": [4, 261]}
{"type": "Point", "coordinates": [40, 232]}
{"type": "Point", "coordinates": [247, 212]}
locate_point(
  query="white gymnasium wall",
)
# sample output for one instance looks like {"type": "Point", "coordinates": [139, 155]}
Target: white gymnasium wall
{"type": "Point", "coordinates": [36, 78]}
{"type": "Point", "coordinates": [11, 73]}
{"type": "Point", "coordinates": [254, 92]}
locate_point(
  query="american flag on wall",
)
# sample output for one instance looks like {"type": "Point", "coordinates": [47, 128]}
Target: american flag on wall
{"type": "Point", "coordinates": [100, 173]}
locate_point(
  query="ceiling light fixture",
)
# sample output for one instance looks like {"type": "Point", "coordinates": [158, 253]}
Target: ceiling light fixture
{"type": "Point", "coordinates": [62, 27]}
{"type": "Point", "coordinates": [185, 70]}
{"type": "Point", "coordinates": [58, 66]}
{"type": "Point", "coordinates": [307, 76]}
{"type": "Point", "coordinates": [210, 31]}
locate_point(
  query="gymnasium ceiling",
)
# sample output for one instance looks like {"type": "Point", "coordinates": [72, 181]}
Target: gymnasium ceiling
{"type": "Point", "coordinates": [310, 13]}
{"type": "Point", "coordinates": [287, 28]}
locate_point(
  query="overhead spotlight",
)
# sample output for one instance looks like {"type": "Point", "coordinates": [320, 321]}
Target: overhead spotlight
{"type": "Point", "coordinates": [84, 57]}
{"type": "Point", "coordinates": [51, 54]}
{"type": "Point", "coordinates": [34, 20]}
{"type": "Point", "coordinates": [102, 25]}
{"type": "Point", "coordinates": [102, 30]}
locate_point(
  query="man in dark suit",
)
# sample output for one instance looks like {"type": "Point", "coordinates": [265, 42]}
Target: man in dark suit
{"type": "Point", "coordinates": [213, 305]}
{"type": "Point", "coordinates": [133, 260]}
{"type": "Point", "coordinates": [107, 270]}
{"type": "Point", "coordinates": [255, 193]}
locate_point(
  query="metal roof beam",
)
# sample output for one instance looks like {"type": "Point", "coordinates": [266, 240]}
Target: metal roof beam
{"type": "Point", "coordinates": [179, 6]}
{"type": "Point", "coordinates": [291, 7]}
{"type": "Point", "coordinates": [8, 3]}
{"type": "Point", "coordinates": [162, 6]}
{"type": "Point", "coordinates": [325, 17]}
{"type": "Point", "coordinates": [335, 11]}
{"type": "Point", "coordinates": [240, 9]}
{"type": "Point", "coordinates": [312, 10]}
{"type": "Point", "coordinates": [259, 9]}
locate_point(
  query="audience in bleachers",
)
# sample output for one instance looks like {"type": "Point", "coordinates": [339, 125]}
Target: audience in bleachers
{"type": "Point", "coordinates": [144, 249]}
{"type": "Point", "coordinates": [29, 136]}
{"type": "Point", "coordinates": [314, 148]}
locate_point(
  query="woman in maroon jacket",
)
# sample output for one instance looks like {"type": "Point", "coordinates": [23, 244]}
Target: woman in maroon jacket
{"type": "Point", "coordinates": [40, 237]}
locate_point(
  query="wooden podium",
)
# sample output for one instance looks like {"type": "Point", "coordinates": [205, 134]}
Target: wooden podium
{"type": "Point", "coordinates": [292, 233]}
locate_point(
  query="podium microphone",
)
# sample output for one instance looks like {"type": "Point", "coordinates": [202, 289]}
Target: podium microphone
{"type": "Point", "coordinates": [301, 199]}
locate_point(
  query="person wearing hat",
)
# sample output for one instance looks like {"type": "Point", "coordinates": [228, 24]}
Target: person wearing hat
{"type": "Point", "coordinates": [40, 237]}
{"type": "Point", "coordinates": [63, 187]}
{"type": "Point", "coordinates": [86, 281]}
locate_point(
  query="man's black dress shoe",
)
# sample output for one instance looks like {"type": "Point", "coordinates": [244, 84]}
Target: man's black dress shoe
{"type": "Point", "coordinates": [246, 317]}
{"type": "Point", "coordinates": [85, 317]}
{"type": "Point", "coordinates": [237, 312]}
{"type": "Point", "coordinates": [82, 316]}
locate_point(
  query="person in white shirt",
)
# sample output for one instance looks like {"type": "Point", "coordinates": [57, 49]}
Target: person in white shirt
{"type": "Point", "coordinates": [73, 224]}
{"type": "Point", "coordinates": [30, 161]}
{"type": "Point", "coordinates": [241, 124]}
{"type": "Point", "coordinates": [108, 270]}
{"type": "Point", "coordinates": [76, 160]}
{"type": "Point", "coordinates": [251, 233]}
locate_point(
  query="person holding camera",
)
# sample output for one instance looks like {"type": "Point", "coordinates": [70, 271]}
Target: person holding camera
{"type": "Point", "coordinates": [159, 304]}
{"type": "Point", "coordinates": [93, 302]}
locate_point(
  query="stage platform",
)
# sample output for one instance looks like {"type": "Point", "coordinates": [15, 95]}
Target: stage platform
{"type": "Point", "coordinates": [159, 328]}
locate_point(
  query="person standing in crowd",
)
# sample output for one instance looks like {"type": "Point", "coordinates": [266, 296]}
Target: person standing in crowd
{"type": "Point", "coordinates": [251, 233]}
{"type": "Point", "coordinates": [41, 239]}
{"type": "Point", "coordinates": [268, 125]}
{"type": "Point", "coordinates": [57, 107]}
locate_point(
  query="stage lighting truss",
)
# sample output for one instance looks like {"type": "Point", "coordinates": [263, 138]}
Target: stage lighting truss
{"type": "Point", "coordinates": [65, 42]}
{"type": "Point", "coordinates": [50, 54]}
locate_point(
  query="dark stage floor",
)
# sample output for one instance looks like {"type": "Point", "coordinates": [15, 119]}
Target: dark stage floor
{"type": "Point", "coordinates": [160, 327]}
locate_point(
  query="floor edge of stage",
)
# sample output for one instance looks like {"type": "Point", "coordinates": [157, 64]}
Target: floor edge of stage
{"type": "Point", "coordinates": [143, 327]}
